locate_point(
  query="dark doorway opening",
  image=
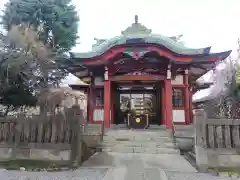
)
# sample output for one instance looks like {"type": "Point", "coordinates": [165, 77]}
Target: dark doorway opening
{"type": "Point", "coordinates": [139, 100]}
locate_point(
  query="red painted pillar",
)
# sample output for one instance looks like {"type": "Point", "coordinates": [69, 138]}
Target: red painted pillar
{"type": "Point", "coordinates": [90, 101]}
{"type": "Point", "coordinates": [186, 99]}
{"type": "Point", "coordinates": [89, 117]}
{"type": "Point", "coordinates": [163, 106]}
{"type": "Point", "coordinates": [113, 101]}
{"type": "Point", "coordinates": [168, 103]}
{"type": "Point", "coordinates": [191, 105]}
{"type": "Point", "coordinates": [107, 103]}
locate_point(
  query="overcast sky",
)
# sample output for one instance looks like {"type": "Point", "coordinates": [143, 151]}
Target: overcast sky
{"type": "Point", "coordinates": [202, 22]}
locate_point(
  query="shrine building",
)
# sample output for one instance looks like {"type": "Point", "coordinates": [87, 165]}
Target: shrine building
{"type": "Point", "coordinates": [139, 78]}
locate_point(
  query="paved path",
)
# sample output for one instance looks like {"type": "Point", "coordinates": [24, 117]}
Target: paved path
{"type": "Point", "coordinates": [117, 166]}
{"type": "Point", "coordinates": [173, 162]}
{"type": "Point", "coordinates": [108, 174]}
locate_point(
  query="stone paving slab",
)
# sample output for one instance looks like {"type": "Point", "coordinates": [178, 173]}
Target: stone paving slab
{"type": "Point", "coordinates": [122, 166]}
{"type": "Point", "coordinates": [194, 176]}
{"type": "Point", "coordinates": [117, 173]}
{"type": "Point", "coordinates": [163, 161]}
{"type": "Point", "coordinates": [80, 174]}
{"type": "Point", "coordinates": [155, 150]}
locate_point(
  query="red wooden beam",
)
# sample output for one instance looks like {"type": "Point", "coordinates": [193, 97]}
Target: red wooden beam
{"type": "Point", "coordinates": [138, 78]}
{"type": "Point", "coordinates": [113, 69]}
{"type": "Point", "coordinates": [111, 53]}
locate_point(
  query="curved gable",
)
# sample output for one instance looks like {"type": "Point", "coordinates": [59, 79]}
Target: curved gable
{"type": "Point", "coordinates": [160, 40]}
{"type": "Point", "coordinates": [139, 34]}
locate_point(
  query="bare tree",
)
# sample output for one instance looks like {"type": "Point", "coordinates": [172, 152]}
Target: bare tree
{"type": "Point", "coordinates": [226, 88]}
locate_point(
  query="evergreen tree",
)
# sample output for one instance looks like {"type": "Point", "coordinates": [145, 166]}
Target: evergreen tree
{"type": "Point", "coordinates": [56, 21]}
{"type": "Point", "coordinates": [15, 92]}
{"type": "Point", "coordinates": [39, 33]}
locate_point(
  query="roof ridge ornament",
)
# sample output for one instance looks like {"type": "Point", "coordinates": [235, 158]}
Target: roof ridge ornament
{"type": "Point", "coordinates": [177, 38]}
{"type": "Point", "coordinates": [136, 28]}
{"type": "Point", "coordinates": [136, 19]}
{"type": "Point", "coordinates": [98, 42]}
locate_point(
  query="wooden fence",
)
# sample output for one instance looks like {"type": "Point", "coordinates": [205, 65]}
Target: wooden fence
{"type": "Point", "coordinates": [218, 133]}
{"type": "Point", "coordinates": [222, 133]}
{"type": "Point", "coordinates": [38, 131]}
{"type": "Point", "coordinates": [217, 141]}
{"type": "Point", "coordinates": [56, 132]}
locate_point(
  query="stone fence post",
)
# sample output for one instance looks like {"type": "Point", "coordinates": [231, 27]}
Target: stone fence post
{"type": "Point", "coordinates": [16, 139]}
{"type": "Point", "coordinates": [200, 118]}
{"type": "Point", "coordinates": [77, 119]}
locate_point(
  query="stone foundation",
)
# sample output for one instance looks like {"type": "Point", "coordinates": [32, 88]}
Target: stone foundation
{"type": "Point", "coordinates": [216, 158]}
{"type": "Point", "coordinates": [34, 154]}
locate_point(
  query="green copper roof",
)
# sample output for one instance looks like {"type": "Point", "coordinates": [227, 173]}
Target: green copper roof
{"type": "Point", "coordinates": [139, 34]}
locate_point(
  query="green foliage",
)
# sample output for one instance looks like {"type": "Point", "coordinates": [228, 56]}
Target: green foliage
{"type": "Point", "coordinates": [15, 88]}
{"type": "Point", "coordinates": [27, 56]}
{"type": "Point", "coordinates": [56, 21]}
{"type": "Point", "coordinates": [39, 32]}
{"type": "Point", "coordinates": [16, 93]}
{"type": "Point", "coordinates": [26, 66]}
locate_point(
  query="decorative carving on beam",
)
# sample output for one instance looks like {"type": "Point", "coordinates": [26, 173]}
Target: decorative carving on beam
{"type": "Point", "coordinates": [152, 70]}
{"type": "Point", "coordinates": [137, 65]}
{"type": "Point", "coordinates": [121, 61]}
{"type": "Point", "coordinates": [137, 73]}
{"type": "Point", "coordinates": [138, 69]}
{"type": "Point", "coordinates": [141, 69]}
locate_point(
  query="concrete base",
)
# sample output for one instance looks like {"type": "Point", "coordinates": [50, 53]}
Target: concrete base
{"type": "Point", "coordinates": [35, 154]}
{"type": "Point", "coordinates": [164, 161]}
{"type": "Point", "coordinates": [184, 136]}
{"type": "Point", "coordinates": [216, 158]}
{"type": "Point", "coordinates": [138, 141]}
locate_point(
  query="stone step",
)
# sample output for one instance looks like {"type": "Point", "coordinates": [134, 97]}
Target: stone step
{"type": "Point", "coordinates": [159, 141]}
{"type": "Point", "coordinates": [136, 138]}
{"type": "Point", "coordinates": [140, 150]}
{"type": "Point", "coordinates": [145, 133]}
{"type": "Point", "coordinates": [155, 131]}
{"type": "Point", "coordinates": [138, 144]}
{"type": "Point", "coordinates": [93, 128]}
{"type": "Point", "coordinates": [184, 131]}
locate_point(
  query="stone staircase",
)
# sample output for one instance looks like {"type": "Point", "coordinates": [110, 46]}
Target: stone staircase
{"type": "Point", "coordinates": [151, 141]}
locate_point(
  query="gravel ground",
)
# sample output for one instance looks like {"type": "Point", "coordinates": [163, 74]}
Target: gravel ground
{"type": "Point", "coordinates": [195, 176]}
{"type": "Point", "coordinates": [133, 173]}
{"type": "Point", "coordinates": [80, 174]}
{"type": "Point", "coordinates": [122, 166]}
